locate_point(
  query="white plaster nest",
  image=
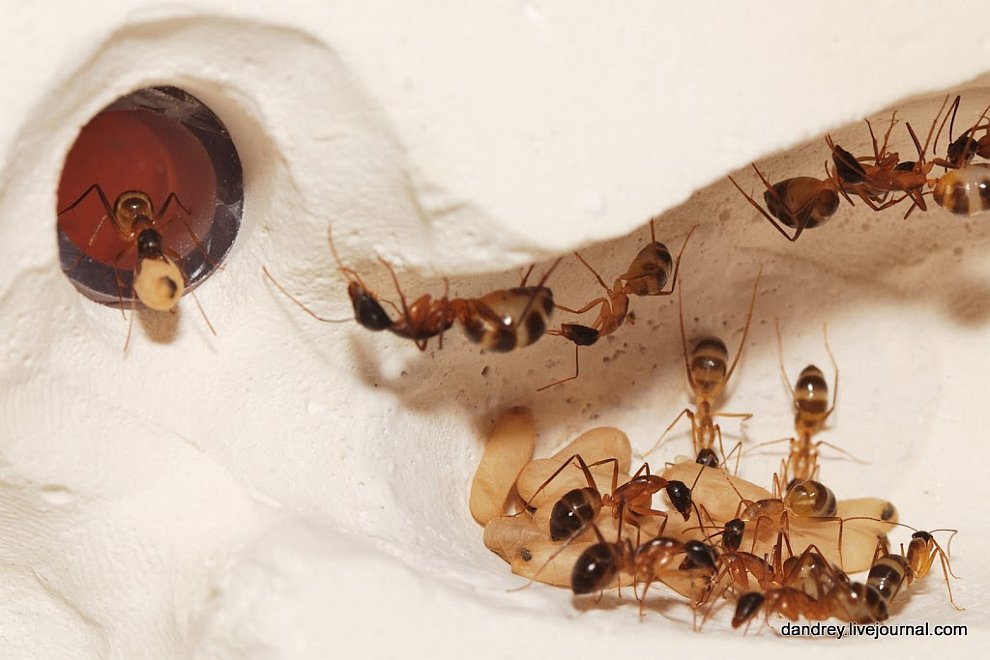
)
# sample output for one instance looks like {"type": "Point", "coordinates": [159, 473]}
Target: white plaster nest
{"type": "Point", "coordinates": [289, 489]}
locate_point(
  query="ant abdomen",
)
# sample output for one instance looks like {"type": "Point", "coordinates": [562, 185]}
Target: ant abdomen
{"type": "Point", "coordinates": [574, 512]}
{"type": "Point", "coordinates": [803, 201]}
{"type": "Point", "coordinates": [888, 574]}
{"type": "Point", "coordinates": [811, 398]}
{"type": "Point", "coordinates": [811, 499]}
{"type": "Point", "coordinates": [511, 318]}
{"type": "Point", "coordinates": [158, 282]}
{"type": "Point", "coordinates": [649, 271]}
{"type": "Point", "coordinates": [594, 569]}
{"type": "Point", "coordinates": [709, 365]}
{"type": "Point", "coordinates": [964, 191]}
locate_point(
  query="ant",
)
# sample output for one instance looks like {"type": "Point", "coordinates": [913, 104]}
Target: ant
{"type": "Point", "coordinates": [647, 275]}
{"type": "Point", "coordinates": [889, 572]}
{"type": "Point", "coordinates": [811, 412]}
{"type": "Point", "coordinates": [158, 281]}
{"type": "Point", "coordinates": [800, 203]}
{"type": "Point", "coordinates": [578, 508]}
{"type": "Point", "coordinates": [500, 321]}
{"type": "Point", "coordinates": [600, 563]}
{"type": "Point", "coordinates": [963, 189]}
{"type": "Point", "coordinates": [707, 375]}
{"type": "Point", "coordinates": [806, 500]}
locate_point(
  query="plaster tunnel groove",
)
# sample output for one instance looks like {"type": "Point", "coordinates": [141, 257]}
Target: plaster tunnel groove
{"type": "Point", "coordinates": [381, 441]}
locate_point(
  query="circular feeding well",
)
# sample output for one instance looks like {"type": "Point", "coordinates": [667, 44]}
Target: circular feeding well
{"type": "Point", "coordinates": [166, 144]}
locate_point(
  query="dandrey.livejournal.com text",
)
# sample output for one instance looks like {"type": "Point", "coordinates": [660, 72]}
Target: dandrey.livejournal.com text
{"type": "Point", "coordinates": [872, 630]}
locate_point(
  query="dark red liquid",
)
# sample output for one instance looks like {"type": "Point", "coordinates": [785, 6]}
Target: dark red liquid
{"type": "Point", "coordinates": [136, 150]}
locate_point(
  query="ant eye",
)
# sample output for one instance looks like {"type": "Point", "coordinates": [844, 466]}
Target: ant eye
{"type": "Point", "coordinates": [156, 159]}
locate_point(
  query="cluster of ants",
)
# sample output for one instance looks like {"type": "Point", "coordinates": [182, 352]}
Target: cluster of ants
{"type": "Point", "coordinates": [882, 180]}
{"type": "Point", "coordinates": [787, 552]}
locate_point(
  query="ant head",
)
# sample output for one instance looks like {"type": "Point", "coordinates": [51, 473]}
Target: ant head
{"type": "Point", "coordinates": [367, 310]}
{"type": "Point", "coordinates": [747, 607]}
{"type": "Point", "coordinates": [732, 533]}
{"type": "Point", "coordinates": [707, 457]}
{"type": "Point", "coordinates": [594, 569]}
{"type": "Point", "coordinates": [581, 335]}
{"type": "Point", "coordinates": [158, 283]}
{"type": "Point", "coordinates": [709, 366]}
{"type": "Point", "coordinates": [700, 555]}
{"type": "Point", "coordinates": [132, 206]}
{"type": "Point", "coordinates": [680, 497]}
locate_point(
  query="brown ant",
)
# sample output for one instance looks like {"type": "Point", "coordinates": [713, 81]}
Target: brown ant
{"type": "Point", "coordinates": [889, 572]}
{"type": "Point", "coordinates": [806, 500]}
{"type": "Point", "coordinates": [500, 321]}
{"type": "Point", "coordinates": [647, 275]}
{"type": "Point", "coordinates": [963, 190]}
{"type": "Point", "coordinates": [602, 562]}
{"type": "Point", "coordinates": [158, 281]}
{"type": "Point", "coordinates": [965, 187]}
{"type": "Point", "coordinates": [577, 509]}
{"type": "Point", "coordinates": [800, 203]}
{"type": "Point", "coordinates": [708, 375]}
{"type": "Point", "coordinates": [811, 412]}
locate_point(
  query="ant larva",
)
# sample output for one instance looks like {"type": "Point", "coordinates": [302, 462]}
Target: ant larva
{"type": "Point", "coordinates": [158, 281]}
{"type": "Point", "coordinates": [647, 275]}
{"type": "Point", "coordinates": [708, 374]}
{"type": "Point", "coordinates": [800, 203]}
{"type": "Point", "coordinates": [500, 321]}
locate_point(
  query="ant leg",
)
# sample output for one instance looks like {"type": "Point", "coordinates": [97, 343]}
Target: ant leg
{"type": "Point", "coordinates": [563, 466]}
{"type": "Point", "coordinates": [395, 281]}
{"type": "Point", "coordinates": [677, 264]}
{"type": "Point", "coordinates": [676, 419]}
{"type": "Point", "coordinates": [89, 244]}
{"type": "Point", "coordinates": [835, 366]}
{"type": "Point", "coordinates": [596, 301]}
{"type": "Point", "coordinates": [303, 307]}
{"type": "Point", "coordinates": [577, 372]}
{"type": "Point", "coordinates": [780, 358]}
{"type": "Point", "coordinates": [130, 323]}
{"type": "Point", "coordinates": [749, 319]}
{"type": "Point", "coordinates": [773, 221]}
{"type": "Point", "coordinates": [841, 451]}
{"type": "Point", "coordinates": [203, 312]}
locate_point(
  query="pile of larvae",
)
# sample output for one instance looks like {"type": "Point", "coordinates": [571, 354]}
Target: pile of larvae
{"type": "Point", "coordinates": [720, 540]}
